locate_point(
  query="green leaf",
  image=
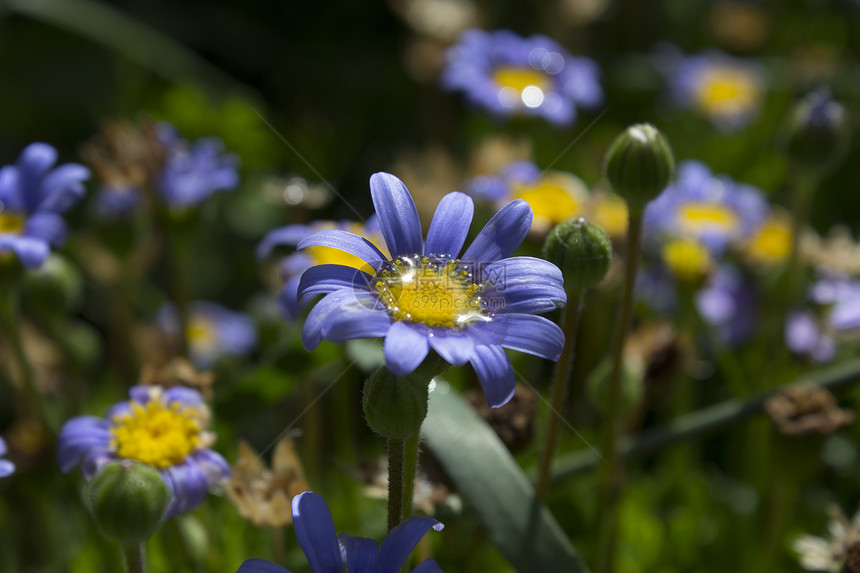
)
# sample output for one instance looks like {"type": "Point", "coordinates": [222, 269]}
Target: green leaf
{"type": "Point", "coordinates": [495, 487]}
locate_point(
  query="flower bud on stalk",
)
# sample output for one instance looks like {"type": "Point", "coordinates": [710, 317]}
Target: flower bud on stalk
{"type": "Point", "coordinates": [128, 500]}
{"type": "Point", "coordinates": [582, 251]}
{"type": "Point", "coordinates": [639, 165]}
{"type": "Point", "coordinates": [818, 132]}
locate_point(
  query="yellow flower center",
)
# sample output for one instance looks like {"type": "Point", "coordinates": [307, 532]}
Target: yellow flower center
{"type": "Point", "coordinates": [157, 434]}
{"type": "Point", "coordinates": [610, 212]}
{"type": "Point", "coordinates": [519, 79]}
{"type": "Point", "coordinates": [201, 332]}
{"type": "Point", "coordinates": [772, 242]}
{"type": "Point", "coordinates": [549, 200]}
{"type": "Point", "coordinates": [697, 219]}
{"type": "Point", "coordinates": [688, 260]}
{"type": "Point", "coordinates": [431, 291]}
{"type": "Point", "coordinates": [11, 222]}
{"type": "Point", "coordinates": [332, 256]}
{"type": "Point", "coordinates": [727, 91]}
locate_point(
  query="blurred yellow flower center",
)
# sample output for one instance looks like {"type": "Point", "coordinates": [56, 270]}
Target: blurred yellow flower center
{"type": "Point", "coordinates": [157, 434]}
{"type": "Point", "coordinates": [332, 256]}
{"type": "Point", "coordinates": [688, 260]}
{"type": "Point", "coordinates": [519, 79]}
{"type": "Point", "coordinates": [698, 219]}
{"type": "Point", "coordinates": [12, 223]}
{"type": "Point", "coordinates": [201, 332]}
{"type": "Point", "coordinates": [610, 212]}
{"type": "Point", "coordinates": [549, 200]}
{"type": "Point", "coordinates": [772, 242]}
{"type": "Point", "coordinates": [726, 90]}
{"type": "Point", "coordinates": [435, 292]}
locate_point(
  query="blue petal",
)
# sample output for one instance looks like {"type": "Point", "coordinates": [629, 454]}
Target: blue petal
{"type": "Point", "coordinates": [360, 553]}
{"type": "Point", "coordinates": [63, 187]}
{"type": "Point", "coordinates": [213, 465]}
{"type": "Point", "coordinates": [3, 448]}
{"type": "Point", "coordinates": [400, 542]}
{"type": "Point", "coordinates": [183, 395]}
{"type": "Point", "coordinates": [344, 314]}
{"type": "Point", "coordinates": [7, 468]}
{"type": "Point", "coordinates": [450, 225]}
{"type": "Point", "coordinates": [315, 532]}
{"type": "Point", "coordinates": [285, 236]}
{"type": "Point", "coordinates": [523, 284]}
{"type": "Point", "coordinates": [31, 251]}
{"type": "Point", "coordinates": [322, 279]}
{"type": "Point", "coordinates": [260, 566]}
{"type": "Point", "coordinates": [503, 234]}
{"type": "Point", "coordinates": [289, 297]}
{"type": "Point", "coordinates": [47, 226]}
{"type": "Point", "coordinates": [78, 437]}
{"type": "Point", "coordinates": [347, 242]}
{"type": "Point", "coordinates": [398, 217]}
{"type": "Point", "coordinates": [188, 486]}
{"type": "Point", "coordinates": [454, 346]}
{"type": "Point", "coordinates": [429, 566]}
{"type": "Point", "coordinates": [141, 394]}
{"type": "Point", "coordinates": [35, 160]}
{"type": "Point", "coordinates": [495, 372]}
{"type": "Point", "coordinates": [405, 348]}
{"type": "Point", "coordinates": [527, 333]}
{"type": "Point", "coordinates": [10, 190]}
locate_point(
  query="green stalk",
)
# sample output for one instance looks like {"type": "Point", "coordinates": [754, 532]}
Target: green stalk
{"type": "Point", "coordinates": [410, 466]}
{"type": "Point", "coordinates": [10, 317]}
{"type": "Point", "coordinates": [134, 559]}
{"type": "Point", "coordinates": [395, 482]}
{"type": "Point", "coordinates": [179, 251]}
{"type": "Point", "coordinates": [560, 384]}
{"type": "Point", "coordinates": [611, 478]}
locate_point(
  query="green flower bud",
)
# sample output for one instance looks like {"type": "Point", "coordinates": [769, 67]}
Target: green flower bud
{"type": "Point", "coordinates": [128, 500]}
{"type": "Point", "coordinates": [56, 286]}
{"type": "Point", "coordinates": [582, 251]}
{"type": "Point", "coordinates": [639, 165]}
{"type": "Point", "coordinates": [818, 132]}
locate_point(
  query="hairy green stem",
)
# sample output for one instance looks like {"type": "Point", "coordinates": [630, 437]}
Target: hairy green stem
{"type": "Point", "coordinates": [560, 384]}
{"type": "Point", "coordinates": [395, 482]}
{"type": "Point", "coordinates": [410, 466]}
{"type": "Point", "coordinates": [610, 483]}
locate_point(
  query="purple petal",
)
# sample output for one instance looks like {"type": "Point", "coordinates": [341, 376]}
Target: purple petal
{"type": "Point", "coordinates": [188, 485]}
{"type": "Point", "coordinates": [323, 279]}
{"type": "Point", "coordinates": [63, 187]}
{"type": "Point", "coordinates": [3, 448]}
{"type": "Point", "coordinates": [522, 284]}
{"type": "Point", "coordinates": [141, 394]}
{"type": "Point", "coordinates": [450, 225]}
{"type": "Point", "coordinates": [31, 251]}
{"type": "Point", "coordinates": [398, 217]}
{"type": "Point", "coordinates": [503, 234]}
{"type": "Point", "coordinates": [400, 542]}
{"type": "Point", "coordinates": [213, 465]}
{"type": "Point", "coordinates": [289, 297]}
{"type": "Point", "coordinates": [10, 190]}
{"type": "Point", "coordinates": [429, 566]}
{"type": "Point", "coordinates": [47, 226]}
{"type": "Point", "coordinates": [494, 372]}
{"type": "Point", "coordinates": [80, 436]}
{"type": "Point", "coordinates": [7, 468]}
{"type": "Point", "coordinates": [359, 551]}
{"type": "Point", "coordinates": [183, 395]}
{"type": "Point", "coordinates": [454, 346]}
{"type": "Point", "coordinates": [35, 160]}
{"type": "Point", "coordinates": [285, 236]}
{"type": "Point", "coordinates": [315, 532]}
{"type": "Point", "coordinates": [527, 333]}
{"type": "Point", "coordinates": [260, 566]}
{"type": "Point", "coordinates": [347, 242]}
{"type": "Point", "coordinates": [405, 348]}
{"type": "Point", "coordinates": [342, 315]}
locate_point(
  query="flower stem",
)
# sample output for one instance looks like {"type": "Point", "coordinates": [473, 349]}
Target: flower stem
{"type": "Point", "coordinates": [10, 317]}
{"type": "Point", "coordinates": [410, 465]}
{"type": "Point", "coordinates": [395, 482]}
{"type": "Point", "coordinates": [610, 483]}
{"type": "Point", "coordinates": [179, 258]}
{"type": "Point", "coordinates": [134, 558]}
{"type": "Point", "coordinates": [560, 384]}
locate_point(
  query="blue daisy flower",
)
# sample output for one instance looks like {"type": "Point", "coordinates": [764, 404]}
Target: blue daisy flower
{"type": "Point", "coordinates": [467, 308]}
{"type": "Point", "coordinates": [713, 209]}
{"type": "Point", "coordinates": [506, 74]}
{"type": "Point", "coordinates": [328, 552]}
{"type": "Point", "coordinates": [213, 331]}
{"type": "Point", "coordinates": [7, 468]}
{"type": "Point", "coordinates": [296, 263]}
{"type": "Point", "coordinates": [33, 196]}
{"type": "Point", "coordinates": [163, 428]}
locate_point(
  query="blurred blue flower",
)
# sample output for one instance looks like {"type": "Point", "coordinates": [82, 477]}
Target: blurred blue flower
{"type": "Point", "coordinates": [7, 468]}
{"type": "Point", "coordinates": [816, 335]}
{"type": "Point", "coordinates": [713, 209]}
{"type": "Point", "coordinates": [33, 195]}
{"type": "Point", "coordinates": [424, 297]}
{"type": "Point", "coordinates": [328, 552]}
{"type": "Point", "coordinates": [730, 305]}
{"type": "Point", "coordinates": [727, 90]}
{"type": "Point", "coordinates": [213, 331]}
{"type": "Point", "coordinates": [293, 265]}
{"type": "Point", "coordinates": [163, 428]}
{"type": "Point", "coordinates": [506, 74]}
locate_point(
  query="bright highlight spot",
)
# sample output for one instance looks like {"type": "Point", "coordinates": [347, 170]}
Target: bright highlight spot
{"type": "Point", "coordinates": [156, 433]}
{"type": "Point", "coordinates": [521, 86]}
{"type": "Point", "coordinates": [432, 291]}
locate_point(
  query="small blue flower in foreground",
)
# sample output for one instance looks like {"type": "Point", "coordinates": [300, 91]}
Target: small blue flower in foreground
{"type": "Point", "coordinates": [507, 74]}
{"type": "Point", "coordinates": [163, 428]}
{"type": "Point", "coordinates": [328, 552]}
{"type": "Point", "coordinates": [212, 331]}
{"type": "Point", "coordinates": [7, 468]}
{"type": "Point", "coordinates": [33, 195]}
{"type": "Point", "coordinates": [424, 297]}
